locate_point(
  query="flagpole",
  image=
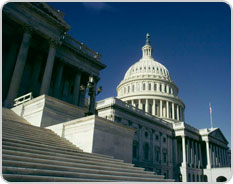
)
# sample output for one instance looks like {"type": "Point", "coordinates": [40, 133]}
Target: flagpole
{"type": "Point", "coordinates": [211, 121]}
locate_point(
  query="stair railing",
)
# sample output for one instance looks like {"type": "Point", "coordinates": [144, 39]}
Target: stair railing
{"type": "Point", "coordinates": [22, 99]}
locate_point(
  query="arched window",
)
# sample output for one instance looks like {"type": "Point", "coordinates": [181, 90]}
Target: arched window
{"type": "Point", "coordinates": [160, 87]}
{"type": "Point", "coordinates": [144, 87]}
{"type": "Point", "coordinates": [146, 151]}
{"type": "Point", "coordinates": [165, 88]}
{"type": "Point", "coordinates": [155, 87]}
{"type": "Point", "coordinates": [149, 86]}
{"type": "Point", "coordinates": [128, 89]}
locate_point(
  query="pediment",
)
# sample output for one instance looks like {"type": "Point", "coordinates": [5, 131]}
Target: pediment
{"type": "Point", "coordinates": [217, 134]}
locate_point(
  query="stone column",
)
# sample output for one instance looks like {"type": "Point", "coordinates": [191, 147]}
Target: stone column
{"type": "Point", "coordinates": [188, 152]}
{"type": "Point", "coordinates": [18, 70]}
{"type": "Point", "coordinates": [224, 157]}
{"type": "Point", "coordinates": [140, 104]}
{"type": "Point", "coordinates": [57, 85]}
{"type": "Point", "coordinates": [213, 155]}
{"type": "Point", "coordinates": [173, 111]}
{"type": "Point", "coordinates": [167, 109]}
{"type": "Point", "coordinates": [200, 156]}
{"type": "Point", "coordinates": [208, 155]}
{"type": "Point", "coordinates": [76, 88]}
{"type": "Point", "coordinates": [133, 103]}
{"type": "Point", "coordinates": [140, 143]}
{"type": "Point", "coordinates": [152, 146]}
{"type": "Point", "coordinates": [7, 67]}
{"type": "Point", "coordinates": [147, 106]}
{"type": "Point", "coordinates": [48, 69]}
{"type": "Point", "coordinates": [184, 164]}
{"type": "Point", "coordinates": [161, 109]}
{"type": "Point", "coordinates": [177, 112]}
{"type": "Point", "coordinates": [153, 107]}
{"type": "Point", "coordinates": [192, 151]}
{"type": "Point", "coordinates": [222, 163]}
{"type": "Point", "coordinates": [196, 155]}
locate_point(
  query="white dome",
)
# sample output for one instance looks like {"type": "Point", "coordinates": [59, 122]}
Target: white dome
{"type": "Point", "coordinates": [147, 85]}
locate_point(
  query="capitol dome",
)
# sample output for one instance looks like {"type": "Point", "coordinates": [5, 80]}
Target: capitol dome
{"type": "Point", "coordinates": [147, 85]}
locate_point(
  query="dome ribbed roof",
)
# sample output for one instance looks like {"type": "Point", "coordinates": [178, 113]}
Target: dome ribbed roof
{"type": "Point", "coordinates": [147, 67]}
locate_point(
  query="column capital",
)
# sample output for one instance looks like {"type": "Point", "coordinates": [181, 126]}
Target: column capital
{"type": "Point", "coordinates": [54, 42]}
{"type": "Point", "coordinates": [27, 28]}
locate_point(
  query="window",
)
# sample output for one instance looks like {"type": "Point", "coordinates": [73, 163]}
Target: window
{"type": "Point", "coordinates": [132, 88]}
{"type": "Point", "coordinates": [144, 87]}
{"type": "Point", "coordinates": [156, 137]}
{"type": "Point", "coordinates": [193, 177]}
{"type": "Point", "coordinates": [160, 87]}
{"type": "Point", "coordinates": [164, 157]}
{"type": "Point", "coordinates": [128, 89]}
{"type": "Point", "coordinates": [146, 151]}
{"type": "Point", "coordinates": [157, 154]}
{"type": "Point", "coordinates": [155, 87]}
{"type": "Point", "coordinates": [165, 89]}
{"type": "Point", "coordinates": [146, 134]}
{"type": "Point", "coordinates": [118, 119]}
{"type": "Point", "coordinates": [135, 149]}
{"type": "Point", "coordinates": [164, 139]}
{"type": "Point", "coordinates": [149, 87]}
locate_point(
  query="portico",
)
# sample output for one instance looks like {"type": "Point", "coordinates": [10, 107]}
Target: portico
{"type": "Point", "coordinates": [54, 68]}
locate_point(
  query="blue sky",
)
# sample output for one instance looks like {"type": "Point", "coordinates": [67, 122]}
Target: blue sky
{"type": "Point", "coordinates": [191, 39]}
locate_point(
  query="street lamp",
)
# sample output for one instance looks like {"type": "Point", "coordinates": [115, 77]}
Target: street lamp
{"type": "Point", "coordinates": [92, 93]}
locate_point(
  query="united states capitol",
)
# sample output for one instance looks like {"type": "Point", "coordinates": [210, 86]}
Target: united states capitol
{"type": "Point", "coordinates": [54, 130]}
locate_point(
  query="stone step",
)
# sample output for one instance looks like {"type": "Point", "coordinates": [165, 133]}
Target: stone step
{"type": "Point", "coordinates": [42, 149]}
{"type": "Point", "coordinates": [44, 172]}
{"type": "Point", "coordinates": [15, 124]}
{"type": "Point", "coordinates": [38, 143]}
{"type": "Point", "coordinates": [46, 166]}
{"type": "Point", "coordinates": [12, 160]}
{"type": "Point", "coordinates": [33, 178]}
{"type": "Point", "coordinates": [42, 140]}
{"type": "Point", "coordinates": [33, 133]}
{"type": "Point", "coordinates": [65, 158]}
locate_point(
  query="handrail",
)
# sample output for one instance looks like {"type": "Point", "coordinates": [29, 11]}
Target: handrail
{"type": "Point", "coordinates": [22, 99]}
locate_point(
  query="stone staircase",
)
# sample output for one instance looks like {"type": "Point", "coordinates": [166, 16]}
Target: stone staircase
{"type": "Point", "coordinates": [34, 154]}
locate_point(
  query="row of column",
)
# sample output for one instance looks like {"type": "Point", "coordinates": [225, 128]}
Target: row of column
{"type": "Point", "coordinates": [216, 156]}
{"type": "Point", "coordinates": [192, 153]}
{"type": "Point", "coordinates": [19, 69]}
{"type": "Point", "coordinates": [147, 86]}
{"type": "Point", "coordinates": [161, 108]}
{"type": "Point", "coordinates": [20, 64]}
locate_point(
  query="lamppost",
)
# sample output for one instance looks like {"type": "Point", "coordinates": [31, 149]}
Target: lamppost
{"type": "Point", "coordinates": [92, 93]}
